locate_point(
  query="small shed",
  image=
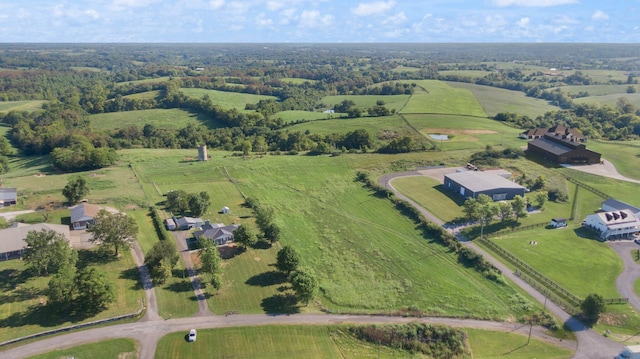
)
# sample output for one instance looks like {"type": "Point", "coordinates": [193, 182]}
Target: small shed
{"type": "Point", "coordinates": [170, 224]}
{"type": "Point", "coordinates": [225, 210]}
{"type": "Point", "coordinates": [558, 222]}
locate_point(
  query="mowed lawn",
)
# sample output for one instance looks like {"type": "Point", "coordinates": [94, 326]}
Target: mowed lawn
{"type": "Point", "coordinates": [21, 309]}
{"type": "Point", "coordinates": [626, 159]}
{"type": "Point", "coordinates": [227, 99]}
{"type": "Point", "coordinates": [465, 132]}
{"type": "Point", "coordinates": [108, 349]}
{"type": "Point", "coordinates": [366, 255]}
{"type": "Point", "coordinates": [432, 96]}
{"type": "Point", "coordinates": [278, 341]}
{"type": "Point", "coordinates": [495, 100]}
{"type": "Point", "coordinates": [431, 195]}
{"type": "Point", "coordinates": [31, 105]}
{"type": "Point", "coordinates": [581, 265]}
{"type": "Point", "coordinates": [161, 118]}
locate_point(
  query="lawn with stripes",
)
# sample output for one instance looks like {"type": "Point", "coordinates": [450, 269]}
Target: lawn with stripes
{"type": "Point", "coordinates": [431, 97]}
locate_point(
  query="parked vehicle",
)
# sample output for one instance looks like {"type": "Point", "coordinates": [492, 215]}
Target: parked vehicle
{"type": "Point", "coordinates": [629, 352]}
{"type": "Point", "coordinates": [192, 335]}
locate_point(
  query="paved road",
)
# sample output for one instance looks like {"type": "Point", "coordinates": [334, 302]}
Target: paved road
{"type": "Point", "coordinates": [10, 216]}
{"type": "Point", "coordinates": [145, 331]}
{"type": "Point", "coordinates": [590, 344]}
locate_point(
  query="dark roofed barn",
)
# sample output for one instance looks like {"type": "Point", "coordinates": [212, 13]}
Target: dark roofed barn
{"type": "Point", "coordinates": [563, 149]}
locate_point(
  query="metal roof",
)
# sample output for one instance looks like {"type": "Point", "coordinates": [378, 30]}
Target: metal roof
{"type": "Point", "coordinates": [614, 203]}
{"type": "Point", "coordinates": [479, 181]}
{"type": "Point", "coordinates": [12, 238]}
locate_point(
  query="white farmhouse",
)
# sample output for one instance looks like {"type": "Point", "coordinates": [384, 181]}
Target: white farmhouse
{"type": "Point", "coordinates": [614, 224]}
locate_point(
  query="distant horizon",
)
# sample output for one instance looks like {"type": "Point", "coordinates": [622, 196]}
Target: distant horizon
{"type": "Point", "coordinates": [319, 21]}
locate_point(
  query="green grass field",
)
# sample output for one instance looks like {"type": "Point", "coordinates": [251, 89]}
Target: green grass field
{"type": "Point", "coordinates": [295, 115]}
{"type": "Point", "coordinates": [474, 74]}
{"type": "Point", "coordinates": [594, 90]}
{"type": "Point", "coordinates": [108, 349]}
{"type": "Point", "coordinates": [391, 102]}
{"type": "Point", "coordinates": [146, 81]}
{"type": "Point", "coordinates": [332, 342]}
{"type": "Point", "coordinates": [625, 158]}
{"type": "Point", "coordinates": [162, 118]}
{"type": "Point", "coordinates": [22, 313]}
{"type": "Point", "coordinates": [296, 80]}
{"type": "Point", "coordinates": [495, 100]}
{"type": "Point", "coordinates": [33, 105]}
{"type": "Point", "coordinates": [149, 95]}
{"type": "Point", "coordinates": [610, 100]}
{"type": "Point", "coordinates": [437, 97]}
{"type": "Point", "coordinates": [225, 99]}
{"type": "Point", "coordinates": [376, 126]}
{"type": "Point", "coordinates": [432, 195]}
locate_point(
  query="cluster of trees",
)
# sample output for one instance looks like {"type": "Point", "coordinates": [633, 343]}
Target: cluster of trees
{"type": "Point", "coordinates": [71, 288]}
{"type": "Point", "coordinates": [181, 202]}
{"type": "Point", "coordinates": [484, 210]}
{"type": "Point", "coordinates": [5, 151]}
{"type": "Point", "coordinates": [75, 190]}
{"type": "Point", "coordinates": [210, 262]}
{"type": "Point", "coordinates": [303, 279]}
{"type": "Point", "coordinates": [265, 220]}
{"type": "Point", "coordinates": [161, 260]}
{"type": "Point", "coordinates": [113, 231]}
{"type": "Point", "coordinates": [489, 157]}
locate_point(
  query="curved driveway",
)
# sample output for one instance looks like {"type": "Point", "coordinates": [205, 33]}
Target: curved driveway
{"type": "Point", "coordinates": [590, 343]}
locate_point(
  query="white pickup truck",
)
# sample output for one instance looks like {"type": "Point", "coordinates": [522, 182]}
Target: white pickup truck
{"type": "Point", "coordinates": [629, 352]}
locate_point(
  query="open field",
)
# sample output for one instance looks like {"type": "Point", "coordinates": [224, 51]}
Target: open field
{"type": "Point", "coordinates": [431, 195]}
{"type": "Point", "coordinates": [149, 95]}
{"type": "Point", "coordinates": [474, 74]}
{"type": "Point", "coordinates": [367, 257]}
{"type": "Point", "coordinates": [108, 349]}
{"type": "Point", "coordinates": [154, 80]}
{"type": "Point", "coordinates": [169, 118]}
{"type": "Point", "coordinates": [365, 101]}
{"type": "Point", "coordinates": [296, 80]}
{"type": "Point", "coordinates": [332, 342]}
{"type": "Point", "coordinates": [295, 115]}
{"type": "Point", "coordinates": [610, 100]}
{"type": "Point", "coordinates": [226, 99]}
{"type": "Point", "coordinates": [433, 96]}
{"type": "Point", "coordinates": [495, 100]}
{"type": "Point", "coordinates": [489, 344]}
{"type": "Point", "coordinates": [21, 306]}
{"type": "Point", "coordinates": [594, 90]}
{"type": "Point", "coordinates": [7, 106]}
{"type": "Point", "coordinates": [465, 132]}
{"type": "Point", "coordinates": [376, 126]}
{"type": "Point", "coordinates": [604, 76]}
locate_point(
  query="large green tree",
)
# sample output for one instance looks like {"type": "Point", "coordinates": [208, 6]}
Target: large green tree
{"type": "Point", "coordinates": [113, 230]}
{"type": "Point", "coordinates": [177, 201]}
{"type": "Point", "coordinates": [48, 251]}
{"type": "Point", "coordinates": [593, 306]}
{"type": "Point", "coordinates": [75, 190]}
{"type": "Point", "coordinates": [62, 287]}
{"type": "Point", "coordinates": [245, 236]}
{"type": "Point", "coordinates": [94, 290]}
{"type": "Point", "coordinates": [519, 206]}
{"type": "Point", "coordinates": [287, 259]}
{"type": "Point", "coordinates": [305, 283]}
{"type": "Point", "coordinates": [199, 203]}
{"type": "Point", "coordinates": [210, 261]}
{"type": "Point", "coordinates": [161, 260]}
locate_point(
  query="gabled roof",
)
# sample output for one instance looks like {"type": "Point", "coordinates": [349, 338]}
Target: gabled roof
{"type": "Point", "coordinates": [614, 203]}
{"type": "Point", "coordinates": [13, 238]}
{"type": "Point", "coordinates": [478, 181]}
{"type": "Point", "coordinates": [187, 220]}
{"type": "Point", "coordinates": [553, 147]}
{"type": "Point", "coordinates": [84, 212]}
{"type": "Point", "coordinates": [8, 194]}
{"type": "Point", "coordinates": [215, 231]}
{"type": "Point", "coordinates": [619, 219]}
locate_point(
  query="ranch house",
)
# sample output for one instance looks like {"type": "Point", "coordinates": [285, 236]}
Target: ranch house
{"type": "Point", "coordinates": [12, 239]}
{"type": "Point", "coordinates": [494, 184]}
{"type": "Point", "coordinates": [217, 232]}
{"type": "Point", "coordinates": [622, 224]}
{"type": "Point", "coordinates": [82, 215]}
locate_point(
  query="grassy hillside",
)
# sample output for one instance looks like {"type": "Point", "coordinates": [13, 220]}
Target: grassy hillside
{"type": "Point", "coordinates": [594, 90]}
{"type": "Point", "coordinates": [365, 101]}
{"type": "Point", "coordinates": [495, 100]}
{"type": "Point", "coordinates": [161, 118]}
{"type": "Point", "coordinates": [293, 115]}
{"type": "Point", "coordinates": [225, 99]}
{"type": "Point", "coordinates": [438, 97]}
{"type": "Point", "coordinates": [610, 100]}
{"type": "Point", "coordinates": [7, 106]}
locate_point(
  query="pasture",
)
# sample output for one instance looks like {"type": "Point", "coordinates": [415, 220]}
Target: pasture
{"type": "Point", "coordinates": [149, 95]}
{"type": "Point", "coordinates": [610, 100]}
{"type": "Point", "coordinates": [594, 90]}
{"type": "Point", "coordinates": [278, 341]}
{"type": "Point", "coordinates": [297, 80]}
{"type": "Point", "coordinates": [387, 126]}
{"type": "Point", "coordinates": [21, 304]}
{"type": "Point", "coordinates": [107, 349]}
{"type": "Point", "coordinates": [363, 102]}
{"type": "Point", "coordinates": [30, 105]}
{"type": "Point", "coordinates": [495, 100]}
{"type": "Point", "coordinates": [154, 80]}
{"type": "Point", "coordinates": [474, 74]}
{"type": "Point", "coordinates": [226, 99]}
{"type": "Point", "coordinates": [466, 133]}
{"type": "Point", "coordinates": [295, 115]}
{"type": "Point", "coordinates": [437, 97]}
{"type": "Point", "coordinates": [161, 118]}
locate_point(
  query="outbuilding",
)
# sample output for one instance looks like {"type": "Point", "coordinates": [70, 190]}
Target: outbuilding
{"type": "Point", "coordinates": [558, 222]}
{"type": "Point", "coordinates": [470, 184]}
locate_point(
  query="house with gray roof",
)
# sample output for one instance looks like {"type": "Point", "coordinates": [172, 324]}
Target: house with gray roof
{"type": "Point", "coordinates": [187, 223]}
{"type": "Point", "coordinates": [82, 215]}
{"type": "Point", "coordinates": [8, 196]}
{"type": "Point", "coordinates": [217, 232]}
{"type": "Point", "coordinates": [612, 204]}
{"type": "Point", "coordinates": [470, 184]}
{"type": "Point", "coordinates": [12, 239]}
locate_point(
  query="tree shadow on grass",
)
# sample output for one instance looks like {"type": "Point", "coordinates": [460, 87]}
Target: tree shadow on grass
{"type": "Point", "coordinates": [88, 257]}
{"type": "Point", "coordinates": [132, 274]}
{"type": "Point", "coordinates": [180, 287]}
{"type": "Point", "coordinates": [262, 244]}
{"type": "Point", "coordinates": [267, 279]}
{"type": "Point", "coordinates": [281, 304]}
{"type": "Point", "coordinates": [204, 296]}
{"type": "Point", "coordinates": [12, 278]}
{"type": "Point", "coordinates": [47, 316]}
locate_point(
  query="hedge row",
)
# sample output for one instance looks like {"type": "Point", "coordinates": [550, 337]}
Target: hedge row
{"type": "Point", "coordinates": [162, 232]}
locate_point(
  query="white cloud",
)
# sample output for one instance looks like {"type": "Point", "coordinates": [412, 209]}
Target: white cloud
{"type": "Point", "coordinates": [314, 19]}
{"type": "Point", "coordinates": [373, 8]}
{"type": "Point", "coordinates": [274, 5]}
{"type": "Point", "coordinates": [216, 4]}
{"type": "Point", "coordinates": [262, 20]}
{"type": "Point", "coordinates": [396, 19]}
{"type": "Point", "coordinates": [286, 16]}
{"type": "Point", "coordinates": [534, 3]}
{"type": "Point", "coordinates": [523, 22]}
{"type": "Point", "coordinates": [599, 15]}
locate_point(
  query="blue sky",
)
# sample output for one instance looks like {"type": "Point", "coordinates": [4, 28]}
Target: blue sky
{"type": "Point", "coordinates": [319, 21]}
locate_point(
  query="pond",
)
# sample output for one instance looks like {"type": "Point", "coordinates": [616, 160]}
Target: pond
{"type": "Point", "coordinates": [440, 137]}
